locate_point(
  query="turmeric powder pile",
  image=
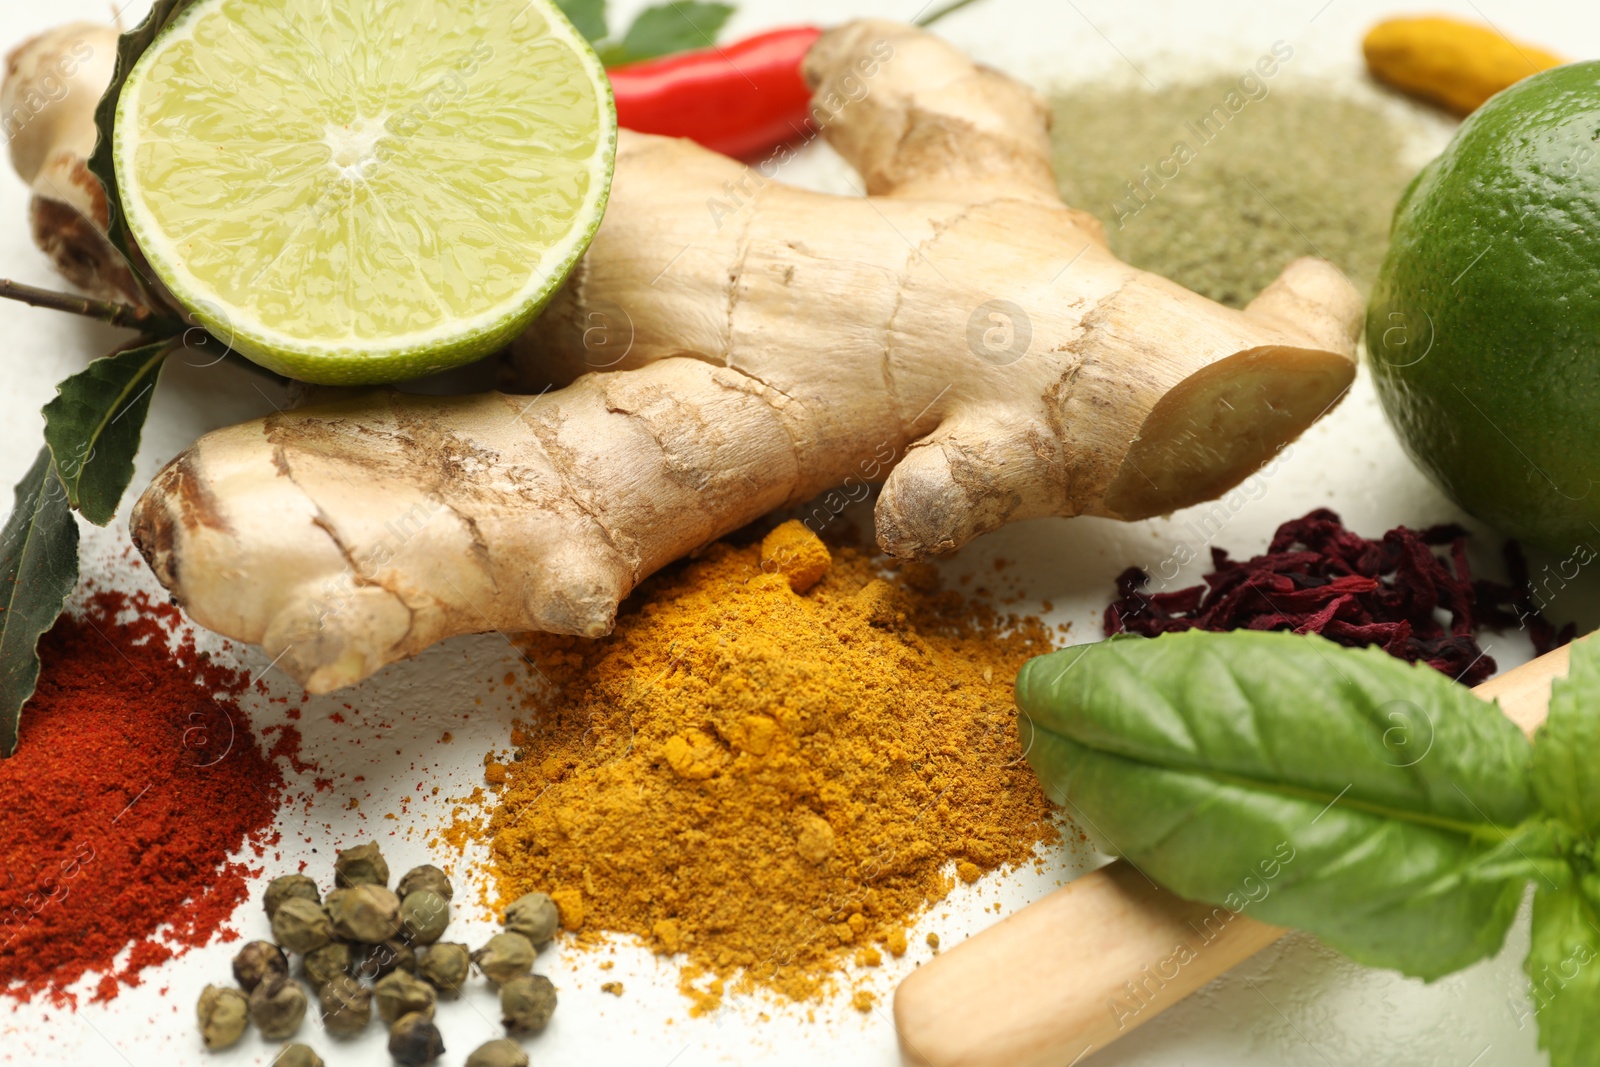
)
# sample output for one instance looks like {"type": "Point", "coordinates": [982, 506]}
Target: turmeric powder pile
{"type": "Point", "coordinates": [772, 765]}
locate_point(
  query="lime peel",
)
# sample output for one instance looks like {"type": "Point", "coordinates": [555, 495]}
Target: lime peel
{"type": "Point", "coordinates": [1482, 327]}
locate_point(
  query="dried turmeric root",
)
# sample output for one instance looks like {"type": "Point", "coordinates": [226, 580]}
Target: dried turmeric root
{"type": "Point", "coordinates": [1454, 64]}
{"type": "Point", "coordinates": [959, 334]}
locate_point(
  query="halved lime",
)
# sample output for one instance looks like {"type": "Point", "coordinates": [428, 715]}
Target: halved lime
{"type": "Point", "coordinates": [353, 191]}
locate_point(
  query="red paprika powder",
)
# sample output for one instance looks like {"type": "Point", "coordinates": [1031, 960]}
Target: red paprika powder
{"type": "Point", "coordinates": [137, 777]}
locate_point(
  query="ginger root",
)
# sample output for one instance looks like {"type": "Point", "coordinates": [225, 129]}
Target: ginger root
{"type": "Point", "coordinates": [52, 85]}
{"type": "Point", "coordinates": [958, 334]}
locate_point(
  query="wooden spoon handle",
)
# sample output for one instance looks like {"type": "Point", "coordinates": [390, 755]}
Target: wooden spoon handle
{"type": "Point", "coordinates": [1076, 970]}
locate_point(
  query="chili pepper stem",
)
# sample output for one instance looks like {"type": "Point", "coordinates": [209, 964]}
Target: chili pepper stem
{"type": "Point", "coordinates": [938, 13]}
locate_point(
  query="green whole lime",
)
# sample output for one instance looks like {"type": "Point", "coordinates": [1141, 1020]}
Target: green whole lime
{"type": "Point", "coordinates": [1484, 326]}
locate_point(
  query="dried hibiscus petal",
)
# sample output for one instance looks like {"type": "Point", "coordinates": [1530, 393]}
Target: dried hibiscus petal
{"type": "Point", "coordinates": [1319, 577]}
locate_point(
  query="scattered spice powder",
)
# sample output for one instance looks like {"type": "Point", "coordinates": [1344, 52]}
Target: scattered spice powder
{"type": "Point", "coordinates": [1318, 577]}
{"type": "Point", "coordinates": [136, 778]}
{"type": "Point", "coordinates": [1302, 171]}
{"type": "Point", "coordinates": [766, 781]}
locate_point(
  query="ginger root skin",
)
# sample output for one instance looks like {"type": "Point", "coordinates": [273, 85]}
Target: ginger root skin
{"type": "Point", "coordinates": [53, 83]}
{"type": "Point", "coordinates": [731, 345]}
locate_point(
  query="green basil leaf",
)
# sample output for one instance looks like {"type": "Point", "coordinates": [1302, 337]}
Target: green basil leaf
{"type": "Point", "coordinates": [588, 17]}
{"type": "Point", "coordinates": [667, 28]}
{"type": "Point", "coordinates": [1566, 773]}
{"type": "Point", "coordinates": [1563, 966]}
{"type": "Point", "coordinates": [94, 423]}
{"type": "Point", "coordinates": [38, 569]}
{"type": "Point", "coordinates": [1373, 803]}
{"type": "Point", "coordinates": [130, 46]}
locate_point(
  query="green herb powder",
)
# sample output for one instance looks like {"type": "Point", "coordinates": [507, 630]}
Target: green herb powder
{"type": "Point", "coordinates": [1220, 200]}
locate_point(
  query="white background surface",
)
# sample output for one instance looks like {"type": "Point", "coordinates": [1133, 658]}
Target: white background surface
{"type": "Point", "coordinates": [1295, 1004]}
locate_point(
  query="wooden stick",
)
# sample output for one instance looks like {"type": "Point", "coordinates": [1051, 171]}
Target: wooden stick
{"type": "Point", "coordinates": [1073, 972]}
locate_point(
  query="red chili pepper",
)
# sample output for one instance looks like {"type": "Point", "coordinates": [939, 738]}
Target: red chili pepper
{"type": "Point", "coordinates": [737, 100]}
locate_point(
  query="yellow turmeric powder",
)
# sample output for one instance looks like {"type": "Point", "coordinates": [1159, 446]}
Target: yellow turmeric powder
{"type": "Point", "coordinates": [771, 783]}
{"type": "Point", "coordinates": [1457, 65]}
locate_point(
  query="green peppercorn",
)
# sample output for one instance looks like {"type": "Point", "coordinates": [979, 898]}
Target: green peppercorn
{"type": "Point", "coordinates": [297, 1056]}
{"type": "Point", "coordinates": [424, 915]}
{"type": "Point", "coordinates": [535, 917]}
{"type": "Point", "coordinates": [501, 1052]}
{"type": "Point", "coordinates": [367, 913]}
{"type": "Point", "coordinates": [301, 925]}
{"type": "Point", "coordinates": [415, 1041]}
{"type": "Point", "coordinates": [277, 1007]}
{"type": "Point", "coordinates": [505, 957]}
{"type": "Point", "coordinates": [326, 963]}
{"type": "Point", "coordinates": [346, 1006]}
{"type": "Point", "coordinates": [526, 1003]}
{"type": "Point", "coordinates": [257, 960]}
{"type": "Point", "coordinates": [426, 877]}
{"type": "Point", "coordinates": [287, 887]}
{"type": "Point", "coordinates": [380, 961]}
{"type": "Point", "coordinates": [362, 865]}
{"type": "Point", "coordinates": [401, 994]}
{"type": "Point", "coordinates": [444, 966]}
{"type": "Point", "coordinates": [224, 1013]}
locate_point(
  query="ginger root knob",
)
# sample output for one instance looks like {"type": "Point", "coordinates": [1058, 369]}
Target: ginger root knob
{"type": "Point", "coordinates": [53, 84]}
